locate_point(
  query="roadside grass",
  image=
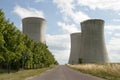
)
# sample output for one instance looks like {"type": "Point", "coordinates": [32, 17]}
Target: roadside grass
{"type": "Point", "coordinates": [109, 71]}
{"type": "Point", "coordinates": [22, 74]}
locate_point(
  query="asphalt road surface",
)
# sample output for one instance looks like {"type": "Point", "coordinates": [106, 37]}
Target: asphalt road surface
{"type": "Point", "coordinates": [64, 73]}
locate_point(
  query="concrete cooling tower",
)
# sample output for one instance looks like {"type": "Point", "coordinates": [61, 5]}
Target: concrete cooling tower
{"type": "Point", "coordinates": [92, 47]}
{"type": "Point", "coordinates": [34, 27]}
{"type": "Point", "coordinates": [75, 47]}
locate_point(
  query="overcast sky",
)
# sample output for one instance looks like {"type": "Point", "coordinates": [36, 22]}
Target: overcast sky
{"type": "Point", "coordinates": [64, 16]}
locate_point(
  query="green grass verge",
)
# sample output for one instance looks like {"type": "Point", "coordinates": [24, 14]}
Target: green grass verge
{"type": "Point", "coordinates": [109, 71]}
{"type": "Point", "coordinates": [22, 74]}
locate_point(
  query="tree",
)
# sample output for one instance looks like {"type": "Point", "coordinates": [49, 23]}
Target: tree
{"type": "Point", "coordinates": [18, 51]}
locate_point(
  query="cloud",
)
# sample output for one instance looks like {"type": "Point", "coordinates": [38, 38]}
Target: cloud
{"type": "Point", "coordinates": [61, 56]}
{"type": "Point", "coordinates": [114, 56]}
{"type": "Point", "coordinates": [114, 49]}
{"type": "Point", "coordinates": [68, 9]}
{"type": "Point", "coordinates": [112, 27]}
{"type": "Point", "coordinates": [65, 6]}
{"type": "Point", "coordinates": [71, 19]}
{"type": "Point", "coordinates": [100, 4]}
{"type": "Point", "coordinates": [79, 17]}
{"type": "Point", "coordinates": [59, 45]}
{"type": "Point", "coordinates": [117, 35]}
{"type": "Point", "coordinates": [38, 1]}
{"type": "Point", "coordinates": [69, 28]}
{"type": "Point", "coordinates": [113, 43]}
{"type": "Point", "coordinates": [58, 42]}
{"type": "Point", "coordinates": [27, 12]}
{"type": "Point", "coordinates": [116, 20]}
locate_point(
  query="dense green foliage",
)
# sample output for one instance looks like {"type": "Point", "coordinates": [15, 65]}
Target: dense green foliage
{"type": "Point", "coordinates": [18, 51]}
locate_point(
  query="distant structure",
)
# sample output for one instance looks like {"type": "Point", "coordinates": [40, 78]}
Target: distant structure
{"type": "Point", "coordinates": [75, 47]}
{"type": "Point", "coordinates": [34, 27]}
{"type": "Point", "coordinates": [89, 45]}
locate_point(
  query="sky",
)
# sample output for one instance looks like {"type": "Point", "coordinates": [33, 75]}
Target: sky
{"type": "Point", "coordinates": [63, 18]}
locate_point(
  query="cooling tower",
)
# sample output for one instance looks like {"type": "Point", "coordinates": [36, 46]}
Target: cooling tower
{"type": "Point", "coordinates": [34, 27]}
{"type": "Point", "coordinates": [93, 44]}
{"type": "Point", "coordinates": [89, 45]}
{"type": "Point", "coordinates": [75, 48]}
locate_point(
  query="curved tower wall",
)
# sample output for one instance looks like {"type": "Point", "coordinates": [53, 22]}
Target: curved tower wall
{"type": "Point", "coordinates": [34, 27]}
{"type": "Point", "coordinates": [93, 44]}
{"type": "Point", "coordinates": [89, 45]}
{"type": "Point", "coordinates": [75, 48]}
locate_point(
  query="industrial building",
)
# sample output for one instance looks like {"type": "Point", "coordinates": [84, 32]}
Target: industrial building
{"type": "Point", "coordinates": [89, 45]}
{"type": "Point", "coordinates": [34, 27]}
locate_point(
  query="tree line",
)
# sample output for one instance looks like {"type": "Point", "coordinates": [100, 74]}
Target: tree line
{"type": "Point", "coordinates": [18, 51]}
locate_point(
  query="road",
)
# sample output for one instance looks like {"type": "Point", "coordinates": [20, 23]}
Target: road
{"type": "Point", "coordinates": [64, 73]}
